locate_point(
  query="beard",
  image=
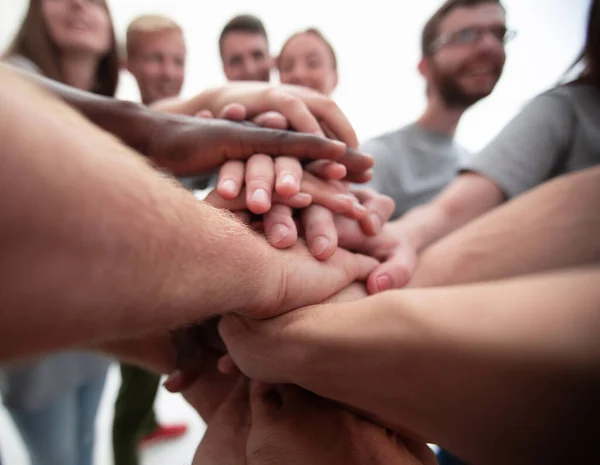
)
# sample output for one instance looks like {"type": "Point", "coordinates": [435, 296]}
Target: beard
{"type": "Point", "coordinates": [455, 94]}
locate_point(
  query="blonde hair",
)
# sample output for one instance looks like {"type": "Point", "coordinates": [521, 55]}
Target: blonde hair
{"type": "Point", "coordinates": [148, 24]}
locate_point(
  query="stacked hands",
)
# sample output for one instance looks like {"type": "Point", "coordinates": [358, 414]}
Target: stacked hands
{"type": "Point", "coordinates": [307, 207]}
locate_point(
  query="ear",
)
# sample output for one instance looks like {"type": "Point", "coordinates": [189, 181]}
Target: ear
{"type": "Point", "coordinates": [423, 67]}
{"type": "Point", "coordinates": [335, 80]}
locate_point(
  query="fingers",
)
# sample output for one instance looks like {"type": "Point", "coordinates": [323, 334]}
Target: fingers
{"type": "Point", "coordinates": [280, 228]}
{"type": "Point", "coordinates": [295, 111]}
{"type": "Point", "coordinates": [272, 120]}
{"type": "Point", "coordinates": [231, 179]}
{"type": "Point", "coordinates": [288, 172]}
{"type": "Point", "coordinates": [394, 273]}
{"type": "Point", "coordinates": [325, 169]}
{"type": "Point", "coordinates": [233, 112]}
{"type": "Point", "coordinates": [334, 198]}
{"type": "Point", "coordinates": [206, 114]}
{"type": "Point", "coordinates": [380, 210]}
{"type": "Point", "coordinates": [320, 232]}
{"type": "Point", "coordinates": [300, 200]}
{"type": "Point", "coordinates": [260, 177]}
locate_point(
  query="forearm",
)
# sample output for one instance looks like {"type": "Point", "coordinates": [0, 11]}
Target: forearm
{"type": "Point", "coordinates": [554, 226]}
{"type": "Point", "coordinates": [126, 120]}
{"type": "Point", "coordinates": [95, 245]}
{"type": "Point", "coordinates": [494, 372]}
{"type": "Point", "coordinates": [468, 197]}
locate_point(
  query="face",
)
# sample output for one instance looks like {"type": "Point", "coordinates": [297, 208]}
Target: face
{"type": "Point", "coordinates": [157, 62]}
{"type": "Point", "coordinates": [307, 61]}
{"type": "Point", "coordinates": [465, 71]}
{"type": "Point", "coordinates": [246, 57]}
{"type": "Point", "coordinates": [78, 26]}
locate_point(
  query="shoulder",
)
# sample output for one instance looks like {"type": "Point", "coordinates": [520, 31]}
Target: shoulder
{"type": "Point", "coordinates": [386, 142]}
{"type": "Point", "coordinates": [19, 61]}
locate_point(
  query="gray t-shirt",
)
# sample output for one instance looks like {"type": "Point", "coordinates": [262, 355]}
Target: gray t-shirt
{"type": "Point", "coordinates": [34, 384]}
{"type": "Point", "coordinates": [413, 164]}
{"type": "Point", "coordinates": [558, 132]}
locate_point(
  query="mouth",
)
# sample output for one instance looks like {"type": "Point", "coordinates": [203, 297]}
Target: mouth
{"type": "Point", "coordinates": [78, 24]}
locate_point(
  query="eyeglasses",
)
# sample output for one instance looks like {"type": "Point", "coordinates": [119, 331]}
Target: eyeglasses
{"type": "Point", "coordinates": [471, 36]}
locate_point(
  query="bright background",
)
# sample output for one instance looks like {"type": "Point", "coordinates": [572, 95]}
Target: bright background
{"type": "Point", "coordinates": [377, 44]}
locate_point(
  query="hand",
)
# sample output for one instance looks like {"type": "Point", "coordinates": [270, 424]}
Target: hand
{"type": "Point", "coordinates": [305, 109]}
{"type": "Point", "coordinates": [293, 426]}
{"type": "Point", "coordinates": [392, 247]}
{"type": "Point", "coordinates": [278, 350]}
{"type": "Point", "coordinates": [189, 145]}
{"type": "Point", "coordinates": [224, 442]}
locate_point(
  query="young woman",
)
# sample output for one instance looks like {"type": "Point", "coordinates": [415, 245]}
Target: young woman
{"type": "Point", "coordinates": [308, 59]}
{"type": "Point", "coordinates": [54, 400]}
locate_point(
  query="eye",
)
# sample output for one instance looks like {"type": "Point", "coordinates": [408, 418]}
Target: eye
{"type": "Point", "coordinates": [466, 36]}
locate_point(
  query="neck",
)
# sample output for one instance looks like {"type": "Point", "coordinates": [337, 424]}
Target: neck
{"type": "Point", "coordinates": [79, 70]}
{"type": "Point", "coordinates": [438, 117]}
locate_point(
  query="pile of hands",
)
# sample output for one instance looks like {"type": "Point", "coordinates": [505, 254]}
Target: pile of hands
{"type": "Point", "coordinates": [297, 192]}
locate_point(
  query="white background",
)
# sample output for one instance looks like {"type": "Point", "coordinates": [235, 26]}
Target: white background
{"type": "Point", "coordinates": [377, 43]}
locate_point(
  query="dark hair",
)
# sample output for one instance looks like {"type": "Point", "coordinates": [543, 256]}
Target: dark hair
{"type": "Point", "coordinates": [33, 42]}
{"type": "Point", "coordinates": [590, 55]}
{"type": "Point", "coordinates": [243, 23]}
{"type": "Point", "coordinates": [315, 32]}
{"type": "Point", "coordinates": [431, 29]}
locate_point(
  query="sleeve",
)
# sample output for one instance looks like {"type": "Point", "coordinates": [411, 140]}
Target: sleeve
{"type": "Point", "coordinates": [377, 181]}
{"type": "Point", "coordinates": [528, 149]}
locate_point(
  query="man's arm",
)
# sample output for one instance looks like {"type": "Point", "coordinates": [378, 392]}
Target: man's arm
{"type": "Point", "coordinates": [189, 145]}
{"type": "Point", "coordinates": [402, 240]}
{"type": "Point", "coordinates": [556, 225]}
{"type": "Point", "coordinates": [495, 372]}
{"type": "Point", "coordinates": [95, 245]}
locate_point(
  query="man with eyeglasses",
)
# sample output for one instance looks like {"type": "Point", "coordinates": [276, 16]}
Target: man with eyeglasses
{"type": "Point", "coordinates": [463, 58]}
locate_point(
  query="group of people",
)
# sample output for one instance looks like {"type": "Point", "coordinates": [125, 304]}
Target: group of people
{"type": "Point", "coordinates": [103, 252]}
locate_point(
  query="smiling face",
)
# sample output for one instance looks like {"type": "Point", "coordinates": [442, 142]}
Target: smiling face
{"type": "Point", "coordinates": [245, 56]}
{"type": "Point", "coordinates": [464, 71]}
{"type": "Point", "coordinates": [157, 61]}
{"type": "Point", "coordinates": [78, 26]}
{"type": "Point", "coordinates": [306, 60]}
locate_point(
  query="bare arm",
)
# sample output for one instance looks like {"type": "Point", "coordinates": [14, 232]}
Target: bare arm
{"type": "Point", "coordinates": [556, 225]}
{"type": "Point", "coordinates": [95, 245]}
{"type": "Point", "coordinates": [190, 145]}
{"type": "Point", "coordinates": [495, 372]}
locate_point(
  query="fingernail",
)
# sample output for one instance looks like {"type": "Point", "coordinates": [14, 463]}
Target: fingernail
{"type": "Point", "coordinates": [376, 222]}
{"type": "Point", "coordinates": [339, 143]}
{"type": "Point", "coordinates": [360, 208]}
{"type": "Point", "coordinates": [260, 196]}
{"type": "Point", "coordinates": [384, 283]}
{"type": "Point", "coordinates": [173, 381]}
{"type": "Point", "coordinates": [229, 186]}
{"type": "Point", "coordinates": [319, 245]}
{"type": "Point", "coordinates": [303, 197]}
{"type": "Point", "coordinates": [345, 198]}
{"type": "Point", "coordinates": [289, 180]}
{"type": "Point", "coordinates": [278, 233]}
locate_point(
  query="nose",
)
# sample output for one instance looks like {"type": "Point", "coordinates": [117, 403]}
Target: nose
{"type": "Point", "coordinates": [77, 4]}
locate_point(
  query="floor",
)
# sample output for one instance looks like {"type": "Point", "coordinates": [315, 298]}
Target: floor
{"type": "Point", "coordinates": [169, 407]}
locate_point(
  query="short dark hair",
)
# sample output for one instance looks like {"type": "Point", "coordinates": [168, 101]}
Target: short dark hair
{"type": "Point", "coordinates": [431, 29]}
{"type": "Point", "coordinates": [243, 23]}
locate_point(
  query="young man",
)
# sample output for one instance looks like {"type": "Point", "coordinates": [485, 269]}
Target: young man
{"type": "Point", "coordinates": [244, 48]}
{"type": "Point", "coordinates": [156, 55]}
{"type": "Point", "coordinates": [463, 58]}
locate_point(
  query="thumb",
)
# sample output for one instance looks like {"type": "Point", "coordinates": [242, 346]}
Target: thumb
{"type": "Point", "coordinates": [394, 273]}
